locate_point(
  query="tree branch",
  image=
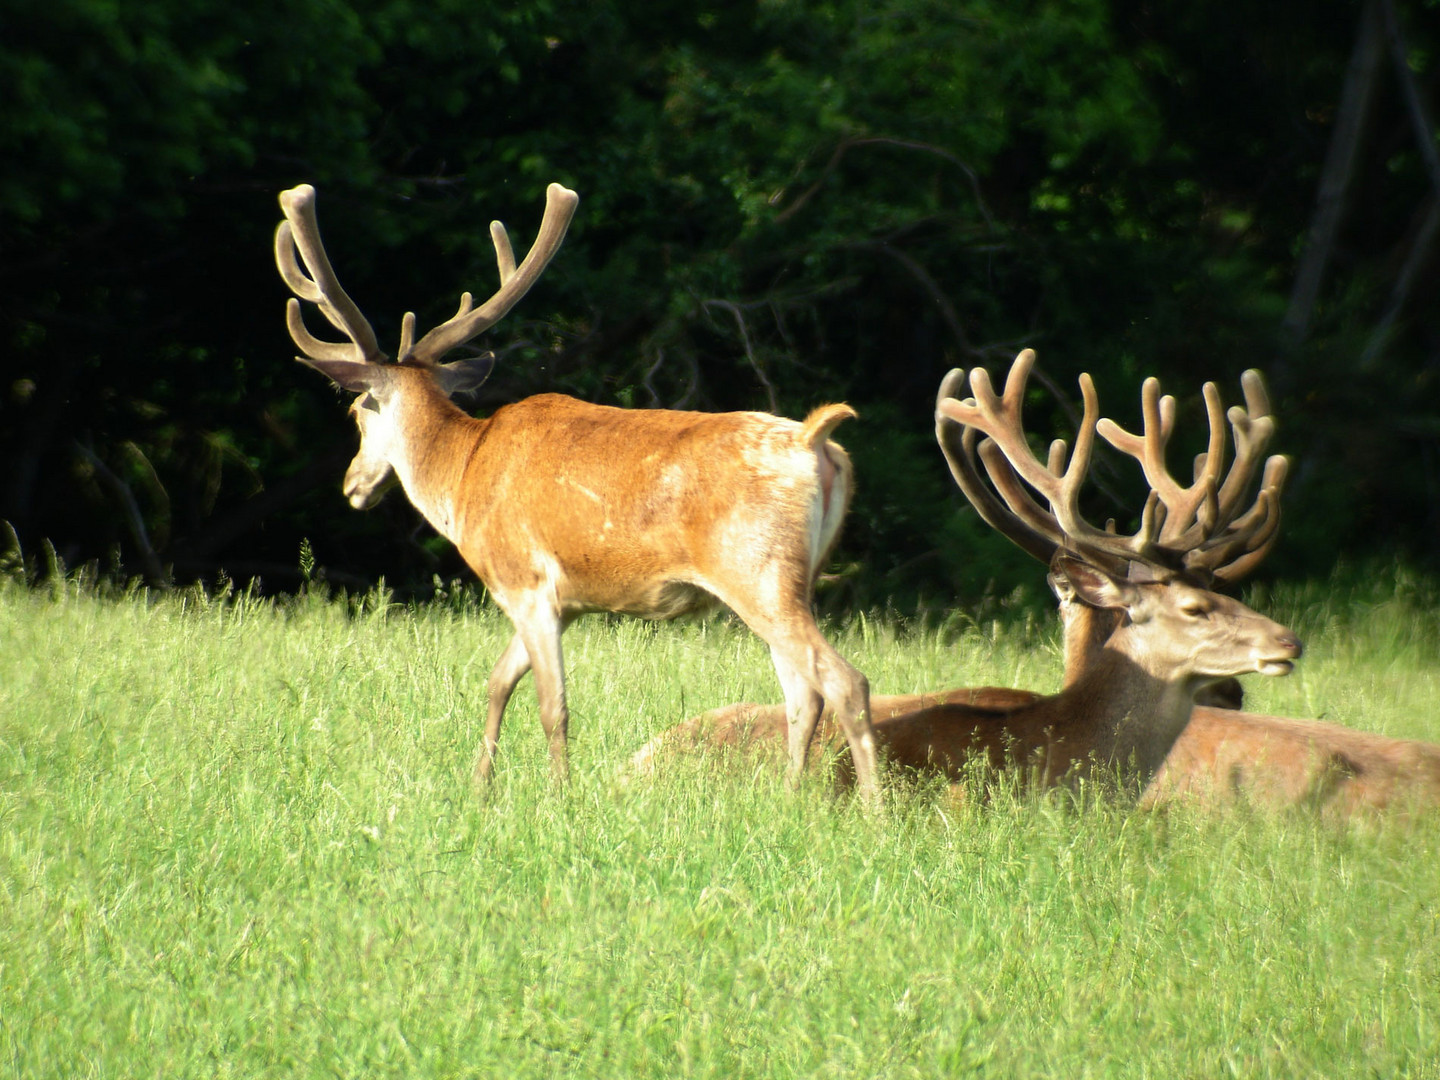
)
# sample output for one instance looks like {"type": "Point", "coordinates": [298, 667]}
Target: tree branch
{"type": "Point", "coordinates": [884, 140]}
{"type": "Point", "coordinates": [739, 316]}
{"type": "Point", "coordinates": [931, 287]}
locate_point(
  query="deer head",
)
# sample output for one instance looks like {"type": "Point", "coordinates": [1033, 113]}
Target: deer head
{"type": "Point", "coordinates": [1177, 628]}
{"type": "Point", "coordinates": [1146, 592]}
{"type": "Point", "coordinates": [358, 365]}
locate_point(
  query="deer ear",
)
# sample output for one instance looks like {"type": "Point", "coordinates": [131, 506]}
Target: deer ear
{"type": "Point", "coordinates": [353, 375]}
{"type": "Point", "coordinates": [463, 376]}
{"type": "Point", "coordinates": [1072, 579]}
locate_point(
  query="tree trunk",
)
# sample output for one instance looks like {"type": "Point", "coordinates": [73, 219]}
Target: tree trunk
{"type": "Point", "coordinates": [1430, 228]}
{"type": "Point", "coordinates": [1355, 99]}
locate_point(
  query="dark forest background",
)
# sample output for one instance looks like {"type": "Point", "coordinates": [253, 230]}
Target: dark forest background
{"type": "Point", "coordinates": [782, 203]}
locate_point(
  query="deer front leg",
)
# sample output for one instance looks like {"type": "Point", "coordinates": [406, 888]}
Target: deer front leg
{"type": "Point", "coordinates": [514, 662]}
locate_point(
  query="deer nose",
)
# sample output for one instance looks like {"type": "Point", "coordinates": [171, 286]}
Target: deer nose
{"type": "Point", "coordinates": [1291, 643]}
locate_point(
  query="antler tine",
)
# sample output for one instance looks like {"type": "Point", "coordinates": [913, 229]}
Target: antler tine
{"type": "Point", "coordinates": [504, 253]}
{"type": "Point", "coordinates": [515, 282]}
{"type": "Point", "coordinates": [1067, 509]}
{"type": "Point", "coordinates": [1205, 490]}
{"type": "Point", "coordinates": [1231, 555]}
{"type": "Point", "coordinates": [1038, 535]}
{"type": "Point", "coordinates": [312, 346]}
{"type": "Point", "coordinates": [407, 333]}
{"type": "Point", "coordinates": [321, 287]}
{"type": "Point", "coordinates": [289, 267]}
{"type": "Point", "coordinates": [1187, 508]}
{"type": "Point", "coordinates": [1009, 460]}
{"type": "Point", "coordinates": [1253, 427]}
{"type": "Point", "coordinates": [1249, 538]}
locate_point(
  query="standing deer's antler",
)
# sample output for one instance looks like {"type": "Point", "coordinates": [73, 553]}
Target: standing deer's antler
{"type": "Point", "coordinates": [1195, 529]}
{"type": "Point", "coordinates": [320, 286]}
{"type": "Point", "coordinates": [515, 282]}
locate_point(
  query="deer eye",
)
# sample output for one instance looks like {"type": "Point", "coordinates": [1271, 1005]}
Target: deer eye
{"type": "Point", "coordinates": [1196, 609]}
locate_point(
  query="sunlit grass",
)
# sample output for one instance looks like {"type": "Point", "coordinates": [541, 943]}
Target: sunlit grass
{"type": "Point", "coordinates": [237, 839]}
{"type": "Point", "coordinates": [1372, 652]}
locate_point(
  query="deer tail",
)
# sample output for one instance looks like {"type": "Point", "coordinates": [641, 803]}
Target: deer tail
{"type": "Point", "coordinates": [823, 420]}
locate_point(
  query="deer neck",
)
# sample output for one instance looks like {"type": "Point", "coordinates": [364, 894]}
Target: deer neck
{"type": "Point", "coordinates": [1135, 714]}
{"type": "Point", "coordinates": [435, 441]}
{"type": "Point", "coordinates": [1086, 630]}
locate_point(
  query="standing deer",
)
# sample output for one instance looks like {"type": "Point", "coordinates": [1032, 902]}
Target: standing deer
{"type": "Point", "coordinates": [563, 507]}
{"type": "Point", "coordinates": [1222, 754]}
{"type": "Point", "coordinates": [1168, 636]}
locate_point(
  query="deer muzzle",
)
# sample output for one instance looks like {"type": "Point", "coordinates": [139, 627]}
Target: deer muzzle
{"type": "Point", "coordinates": [367, 482]}
{"type": "Point", "coordinates": [1279, 656]}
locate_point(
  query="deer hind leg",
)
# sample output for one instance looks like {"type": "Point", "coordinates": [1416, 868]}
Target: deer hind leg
{"type": "Point", "coordinates": [539, 626]}
{"type": "Point", "coordinates": [797, 645]}
{"type": "Point", "coordinates": [848, 692]}
{"type": "Point", "coordinates": [514, 662]}
{"type": "Point", "coordinates": [803, 705]}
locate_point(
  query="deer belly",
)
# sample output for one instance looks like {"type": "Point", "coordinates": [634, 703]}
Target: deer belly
{"type": "Point", "coordinates": [654, 600]}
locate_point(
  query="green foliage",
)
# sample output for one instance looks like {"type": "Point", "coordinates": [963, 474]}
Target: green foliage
{"type": "Point", "coordinates": [783, 202]}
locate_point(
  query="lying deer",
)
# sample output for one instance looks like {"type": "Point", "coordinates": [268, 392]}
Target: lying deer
{"type": "Point", "coordinates": [1221, 754]}
{"type": "Point", "coordinates": [563, 507]}
{"type": "Point", "coordinates": [1168, 636]}
{"type": "Point", "coordinates": [1226, 754]}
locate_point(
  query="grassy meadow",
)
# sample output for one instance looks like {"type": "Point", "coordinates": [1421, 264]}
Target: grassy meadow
{"type": "Point", "coordinates": [237, 839]}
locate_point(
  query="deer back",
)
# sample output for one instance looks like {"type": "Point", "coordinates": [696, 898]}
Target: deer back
{"type": "Point", "coordinates": [599, 499]}
{"type": "Point", "coordinates": [1229, 756]}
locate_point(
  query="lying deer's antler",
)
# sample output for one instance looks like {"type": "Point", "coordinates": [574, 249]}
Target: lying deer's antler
{"type": "Point", "coordinates": [1203, 521]}
{"type": "Point", "coordinates": [1196, 528]}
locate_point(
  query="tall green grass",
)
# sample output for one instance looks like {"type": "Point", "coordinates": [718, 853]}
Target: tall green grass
{"type": "Point", "coordinates": [237, 839]}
